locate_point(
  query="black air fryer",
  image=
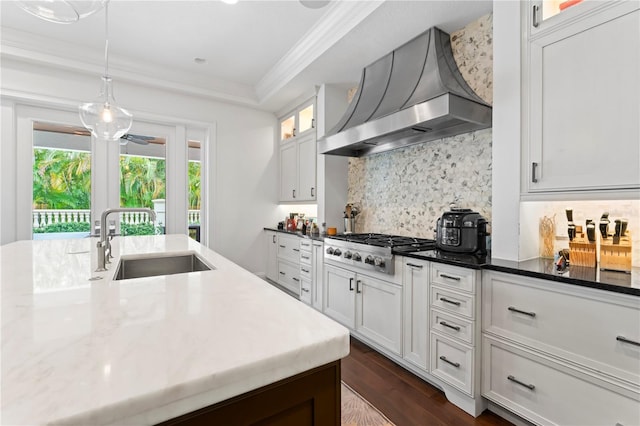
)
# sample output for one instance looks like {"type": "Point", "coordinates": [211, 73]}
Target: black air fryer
{"type": "Point", "coordinates": [461, 231]}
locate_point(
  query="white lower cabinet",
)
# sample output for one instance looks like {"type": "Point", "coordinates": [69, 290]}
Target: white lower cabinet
{"type": "Point", "coordinates": [379, 312]}
{"type": "Point", "coordinates": [415, 276]}
{"type": "Point", "coordinates": [339, 295]}
{"type": "Point", "coordinates": [556, 353]}
{"type": "Point", "coordinates": [369, 306]}
{"type": "Point", "coordinates": [289, 276]}
{"type": "Point", "coordinates": [547, 392]}
{"type": "Point", "coordinates": [317, 274]}
{"type": "Point", "coordinates": [452, 362]}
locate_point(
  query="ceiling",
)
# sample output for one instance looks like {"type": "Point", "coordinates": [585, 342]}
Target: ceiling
{"type": "Point", "coordinates": [262, 54]}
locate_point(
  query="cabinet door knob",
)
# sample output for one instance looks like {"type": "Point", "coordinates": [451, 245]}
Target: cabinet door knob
{"type": "Point", "coordinates": [625, 340]}
{"type": "Point", "coordinates": [455, 364]}
{"type": "Point", "coordinates": [453, 327]}
{"type": "Point", "coordinates": [451, 302]}
{"type": "Point", "coordinates": [514, 380]}
{"type": "Point", "coordinates": [450, 277]}
{"type": "Point", "coordinates": [531, 314]}
{"type": "Point", "coordinates": [535, 22]}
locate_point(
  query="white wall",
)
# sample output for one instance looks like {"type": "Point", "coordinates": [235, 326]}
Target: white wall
{"type": "Point", "coordinates": [245, 160]}
{"type": "Point", "coordinates": [506, 130]}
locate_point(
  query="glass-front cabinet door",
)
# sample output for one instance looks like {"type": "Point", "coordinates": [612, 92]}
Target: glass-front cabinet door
{"type": "Point", "coordinates": [300, 121]}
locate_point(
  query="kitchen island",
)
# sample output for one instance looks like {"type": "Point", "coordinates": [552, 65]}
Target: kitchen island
{"type": "Point", "coordinates": [81, 348]}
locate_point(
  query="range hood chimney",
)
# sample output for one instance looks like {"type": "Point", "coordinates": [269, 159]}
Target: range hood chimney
{"type": "Point", "coordinates": [412, 95]}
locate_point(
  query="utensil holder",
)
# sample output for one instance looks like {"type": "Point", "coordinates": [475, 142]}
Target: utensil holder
{"type": "Point", "coordinates": [349, 225]}
{"type": "Point", "coordinates": [616, 257]}
{"type": "Point", "coordinates": [582, 252]}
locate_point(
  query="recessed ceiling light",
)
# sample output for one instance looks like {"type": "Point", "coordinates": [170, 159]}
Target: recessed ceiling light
{"type": "Point", "coordinates": [229, 1]}
{"type": "Point", "coordinates": [199, 60]}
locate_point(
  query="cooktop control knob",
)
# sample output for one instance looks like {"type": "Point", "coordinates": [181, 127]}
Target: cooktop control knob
{"type": "Point", "coordinates": [378, 262]}
{"type": "Point", "coordinates": [347, 255]}
{"type": "Point", "coordinates": [369, 260]}
{"type": "Point", "coordinates": [329, 250]}
{"type": "Point", "coordinates": [337, 252]}
{"type": "Point", "coordinates": [356, 256]}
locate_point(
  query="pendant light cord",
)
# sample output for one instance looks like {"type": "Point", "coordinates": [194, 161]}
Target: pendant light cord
{"type": "Point", "coordinates": [106, 39]}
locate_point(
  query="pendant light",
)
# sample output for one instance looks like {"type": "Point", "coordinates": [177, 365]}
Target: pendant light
{"type": "Point", "coordinates": [103, 117]}
{"type": "Point", "coordinates": [61, 11]}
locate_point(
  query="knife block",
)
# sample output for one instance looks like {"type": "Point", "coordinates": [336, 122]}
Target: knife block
{"type": "Point", "coordinates": [582, 252]}
{"type": "Point", "coordinates": [616, 257]}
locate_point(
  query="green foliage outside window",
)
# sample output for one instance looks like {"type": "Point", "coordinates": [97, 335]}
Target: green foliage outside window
{"type": "Point", "coordinates": [62, 181]}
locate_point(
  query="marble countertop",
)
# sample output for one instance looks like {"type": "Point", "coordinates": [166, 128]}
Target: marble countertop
{"type": "Point", "coordinates": [140, 351]}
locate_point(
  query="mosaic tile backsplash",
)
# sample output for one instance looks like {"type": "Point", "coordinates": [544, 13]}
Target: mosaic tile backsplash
{"type": "Point", "coordinates": [405, 191]}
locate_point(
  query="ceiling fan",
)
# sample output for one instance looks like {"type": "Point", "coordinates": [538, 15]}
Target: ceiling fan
{"type": "Point", "coordinates": [139, 139]}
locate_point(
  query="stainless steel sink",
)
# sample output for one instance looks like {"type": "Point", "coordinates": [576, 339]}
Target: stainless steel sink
{"type": "Point", "coordinates": [140, 267]}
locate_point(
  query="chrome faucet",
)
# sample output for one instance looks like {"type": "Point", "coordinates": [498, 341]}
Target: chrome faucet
{"type": "Point", "coordinates": [104, 245]}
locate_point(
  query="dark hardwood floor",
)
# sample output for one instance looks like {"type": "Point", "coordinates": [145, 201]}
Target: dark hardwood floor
{"type": "Point", "coordinates": [403, 397]}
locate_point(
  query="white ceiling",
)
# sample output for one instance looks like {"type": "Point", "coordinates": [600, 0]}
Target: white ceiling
{"type": "Point", "coordinates": [258, 53]}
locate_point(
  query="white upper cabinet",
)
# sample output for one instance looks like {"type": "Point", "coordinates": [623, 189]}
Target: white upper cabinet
{"type": "Point", "coordinates": [298, 154]}
{"type": "Point", "coordinates": [299, 122]}
{"type": "Point", "coordinates": [581, 97]}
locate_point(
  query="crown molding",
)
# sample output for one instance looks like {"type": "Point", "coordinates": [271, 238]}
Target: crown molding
{"type": "Point", "coordinates": [23, 46]}
{"type": "Point", "coordinates": [339, 20]}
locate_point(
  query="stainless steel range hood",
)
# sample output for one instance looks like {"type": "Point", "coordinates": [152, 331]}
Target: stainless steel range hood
{"type": "Point", "coordinates": [412, 95]}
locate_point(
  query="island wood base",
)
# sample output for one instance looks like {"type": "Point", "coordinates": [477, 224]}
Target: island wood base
{"type": "Point", "coordinates": [309, 398]}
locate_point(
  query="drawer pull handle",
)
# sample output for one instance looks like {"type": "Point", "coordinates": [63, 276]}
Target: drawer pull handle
{"type": "Point", "coordinates": [305, 257]}
{"type": "Point", "coordinates": [452, 302]}
{"type": "Point", "coordinates": [450, 277]}
{"type": "Point", "coordinates": [306, 290]}
{"type": "Point", "coordinates": [531, 314]}
{"type": "Point", "coordinates": [305, 270]}
{"type": "Point", "coordinates": [514, 380]}
{"type": "Point", "coordinates": [453, 327]}
{"type": "Point", "coordinates": [282, 246]}
{"type": "Point", "coordinates": [413, 265]}
{"type": "Point", "coordinates": [455, 364]}
{"type": "Point", "coordinates": [625, 340]}
{"type": "Point", "coordinates": [296, 249]}
{"type": "Point", "coordinates": [282, 273]}
{"type": "Point", "coordinates": [350, 284]}
{"type": "Point", "coordinates": [295, 279]}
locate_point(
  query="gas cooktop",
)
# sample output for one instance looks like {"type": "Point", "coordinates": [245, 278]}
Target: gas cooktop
{"type": "Point", "coordinates": [385, 240]}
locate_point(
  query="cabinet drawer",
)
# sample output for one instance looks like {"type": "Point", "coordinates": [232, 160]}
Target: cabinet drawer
{"type": "Point", "coordinates": [452, 326]}
{"type": "Point", "coordinates": [306, 272]}
{"type": "Point", "coordinates": [289, 276]}
{"type": "Point", "coordinates": [450, 301]}
{"type": "Point", "coordinates": [305, 257]}
{"type": "Point", "coordinates": [305, 291]}
{"type": "Point", "coordinates": [461, 279]}
{"type": "Point", "coordinates": [305, 245]}
{"type": "Point", "coordinates": [584, 325]}
{"type": "Point", "coordinates": [288, 248]}
{"type": "Point", "coordinates": [545, 392]}
{"type": "Point", "coordinates": [452, 362]}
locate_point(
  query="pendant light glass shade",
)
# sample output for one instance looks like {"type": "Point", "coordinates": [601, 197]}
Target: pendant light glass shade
{"type": "Point", "coordinates": [61, 11]}
{"type": "Point", "coordinates": [103, 117]}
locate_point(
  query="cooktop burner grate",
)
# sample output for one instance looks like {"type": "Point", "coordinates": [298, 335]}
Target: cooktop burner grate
{"type": "Point", "coordinates": [384, 240]}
